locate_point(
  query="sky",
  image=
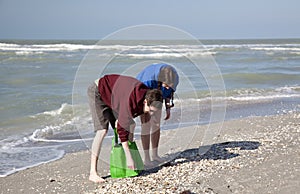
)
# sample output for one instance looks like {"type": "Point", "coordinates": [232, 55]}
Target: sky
{"type": "Point", "coordinates": [95, 19]}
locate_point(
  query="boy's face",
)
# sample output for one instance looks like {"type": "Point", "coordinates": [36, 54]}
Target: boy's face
{"type": "Point", "coordinates": [149, 109]}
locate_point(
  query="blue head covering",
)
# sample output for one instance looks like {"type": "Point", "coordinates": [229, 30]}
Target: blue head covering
{"type": "Point", "coordinates": [150, 77]}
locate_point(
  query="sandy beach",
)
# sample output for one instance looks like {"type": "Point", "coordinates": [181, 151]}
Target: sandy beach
{"type": "Point", "coordinates": [250, 155]}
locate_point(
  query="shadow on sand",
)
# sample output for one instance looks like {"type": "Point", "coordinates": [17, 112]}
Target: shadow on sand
{"type": "Point", "coordinates": [217, 151]}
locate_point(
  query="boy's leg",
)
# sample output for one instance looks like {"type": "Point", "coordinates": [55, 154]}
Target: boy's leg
{"type": "Point", "coordinates": [98, 108]}
{"type": "Point", "coordinates": [155, 135]}
{"type": "Point", "coordinates": [96, 147]}
{"type": "Point", "coordinates": [145, 137]}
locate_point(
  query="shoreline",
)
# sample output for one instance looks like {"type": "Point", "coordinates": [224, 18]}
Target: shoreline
{"type": "Point", "coordinates": [250, 155]}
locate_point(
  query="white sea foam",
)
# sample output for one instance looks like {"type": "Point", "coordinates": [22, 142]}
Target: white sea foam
{"type": "Point", "coordinates": [45, 48]}
{"type": "Point", "coordinates": [288, 89]}
{"type": "Point", "coordinates": [24, 158]}
{"type": "Point", "coordinates": [57, 111]}
{"type": "Point", "coordinates": [155, 51]}
{"type": "Point", "coordinates": [245, 95]}
{"type": "Point", "coordinates": [276, 48]}
{"type": "Point", "coordinates": [11, 142]}
{"type": "Point", "coordinates": [295, 53]}
{"type": "Point", "coordinates": [45, 135]}
{"type": "Point", "coordinates": [59, 141]}
{"type": "Point", "coordinates": [260, 98]}
{"type": "Point", "coordinates": [169, 55]}
{"type": "Point", "coordinates": [29, 52]}
{"type": "Point", "coordinates": [65, 107]}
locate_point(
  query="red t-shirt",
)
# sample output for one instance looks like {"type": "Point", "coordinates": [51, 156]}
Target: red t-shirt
{"type": "Point", "coordinates": [125, 96]}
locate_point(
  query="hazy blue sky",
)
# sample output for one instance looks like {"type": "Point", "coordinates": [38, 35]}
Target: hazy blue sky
{"type": "Point", "coordinates": [94, 19]}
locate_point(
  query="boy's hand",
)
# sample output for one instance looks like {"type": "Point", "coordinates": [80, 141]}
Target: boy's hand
{"type": "Point", "coordinates": [130, 163]}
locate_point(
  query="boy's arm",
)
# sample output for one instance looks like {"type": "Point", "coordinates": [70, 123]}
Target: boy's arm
{"type": "Point", "coordinates": [131, 130]}
{"type": "Point", "coordinates": [129, 160]}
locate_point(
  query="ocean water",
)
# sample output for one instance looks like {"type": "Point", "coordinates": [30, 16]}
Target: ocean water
{"type": "Point", "coordinates": [44, 113]}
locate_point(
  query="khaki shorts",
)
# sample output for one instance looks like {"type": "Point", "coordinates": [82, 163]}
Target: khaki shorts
{"type": "Point", "coordinates": [102, 114]}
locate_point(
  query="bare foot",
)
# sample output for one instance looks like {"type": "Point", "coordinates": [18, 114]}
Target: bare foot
{"type": "Point", "coordinates": [157, 159]}
{"type": "Point", "coordinates": [96, 178]}
{"type": "Point", "coordinates": [147, 163]}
